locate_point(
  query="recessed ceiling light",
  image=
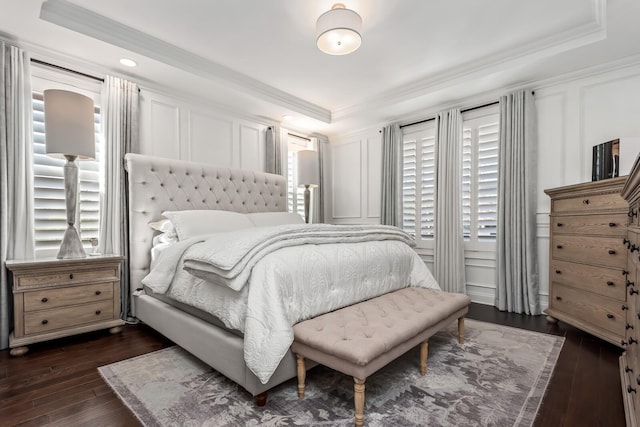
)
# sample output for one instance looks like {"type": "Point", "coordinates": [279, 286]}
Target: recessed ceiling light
{"type": "Point", "coordinates": [128, 62]}
{"type": "Point", "coordinates": [287, 117]}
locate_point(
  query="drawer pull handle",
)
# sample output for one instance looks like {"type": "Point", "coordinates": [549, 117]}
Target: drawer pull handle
{"type": "Point", "coordinates": [98, 312]}
{"type": "Point", "coordinates": [633, 291]}
{"type": "Point", "coordinates": [628, 326]}
{"type": "Point", "coordinates": [624, 307]}
{"type": "Point", "coordinates": [610, 283]}
{"type": "Point", "coordinates": [45, 321]}
{"type": "Point", "coordinates": [625, 273]}
{"type": "Point", "coordinates": [585, 202]}
{"type": "Point", "coordinates": [560, 224]}
{"type": "Point", "coordinates": [559, 298]}
{"type": "Point", "coordinates": [559, 246]}
{"type": "Point", "coordinates": [45, 299]}
{"type": "Point", "coordinates": [558, 272]}
{"type": "Point", "coordinates": [623, 343]}
{"type": "Point", "coordinates": [632, 213]}
{"type": "Point", "coordinates": [639, 315]}
{"type": "Point", "coordinates": [612, 252]}
{"type": "Point", "coordinates": [630, 389]}
{"type": "Point", "coordinates": [632, 341]}
{"type": "Point", "coordinates": [638, 379]}
{"type": "Point", "coordinates": [71, 276]}
{"type": "Point", "coordinates": [98, 292]}
{"type": "Point", "coordinates": [634, 248]}
{"type": "Point", "coordinates": [612, 224]}
{"type": "Point", "coordinates": [628, 369]}
{"type": "Point", "coordinates": [610, 316]}
{"type": "Point", "coordinates": [630, 283]}
{"type": "Point", "coordinates": [626, 242]}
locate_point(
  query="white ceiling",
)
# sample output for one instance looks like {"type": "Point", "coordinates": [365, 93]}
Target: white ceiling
{"type": "Point", "coordinates": [259, 57]}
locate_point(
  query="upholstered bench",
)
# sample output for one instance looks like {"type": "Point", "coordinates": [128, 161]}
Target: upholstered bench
{"type": "Point", "coordinates": [362, 338]}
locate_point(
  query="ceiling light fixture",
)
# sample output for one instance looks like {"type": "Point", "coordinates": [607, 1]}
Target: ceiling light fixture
{"type": "Point", "coordinates": [338, 30]}
{"type": "Point", "coordinates": [128, 62]}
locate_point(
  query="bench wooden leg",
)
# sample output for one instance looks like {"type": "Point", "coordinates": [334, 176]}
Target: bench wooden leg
{"type": "Point", "coordinates": [358, 398]}
{"type": "Point", "coordinates": [461, 330]}
{"type": "Point", "coordinates": [302, 374]}
{"type": "Point", "coordinates": [424, 350]}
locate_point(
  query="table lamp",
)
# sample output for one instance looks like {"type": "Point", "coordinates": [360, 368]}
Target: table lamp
{"type": "Point", "coordinates": [69, 133]}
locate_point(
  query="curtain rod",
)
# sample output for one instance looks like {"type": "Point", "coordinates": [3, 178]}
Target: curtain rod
{"type": "Point", "coordinates": [298, 136]}
{"type": "Point", "coordinates": [47, 64]}
{"type": "Point", "coordinates": [488, 104]}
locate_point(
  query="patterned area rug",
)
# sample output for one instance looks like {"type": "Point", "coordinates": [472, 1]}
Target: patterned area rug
{"type": "Point", "coordinates": [496, 378]}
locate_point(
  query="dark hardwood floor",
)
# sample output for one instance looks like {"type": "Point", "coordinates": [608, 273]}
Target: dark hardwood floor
{"type": "Point", "coordinates": [57, 383]}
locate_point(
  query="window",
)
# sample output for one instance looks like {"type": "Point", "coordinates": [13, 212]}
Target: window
{"type": "Point", "coordinates": [479, 177]}
{"type": "Point", "coordinates": [295, 195]}
{"type": "Point", "coordinates": [49, 199]}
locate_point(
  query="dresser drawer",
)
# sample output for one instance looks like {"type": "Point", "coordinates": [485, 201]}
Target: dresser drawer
{"type": "Point", "coordinates": [59, 318]}
{"type": "Point", "coordinates": [606, 225]}
{"type": "Point", "coordinates": [52, 298]}
{"type": "Point", "coordinates": [590, 203]}
{"type": "Point", "coordinates": [601, 312]}
{"type": "Point", "coordinates": [66, 277]}
{"type": "Point", "coordinates": [604, 251]}
{"type": "Point", "coordinates": [599, 280]}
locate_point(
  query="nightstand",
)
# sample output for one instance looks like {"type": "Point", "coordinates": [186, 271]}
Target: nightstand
{"type": "Point", "coordinates": [54, 298]}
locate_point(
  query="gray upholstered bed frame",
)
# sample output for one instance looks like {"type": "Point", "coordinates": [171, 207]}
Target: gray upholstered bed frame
{"type": "Point", "coordinates": [158, 184]}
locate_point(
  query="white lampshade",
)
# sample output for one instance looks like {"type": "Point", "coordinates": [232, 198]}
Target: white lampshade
{"type": "Point", "coordinates": [68, 124]}
{"type": "Point", "coordinates": [338, 30]}
{"type": "Point", "coordinates": [308, 170]}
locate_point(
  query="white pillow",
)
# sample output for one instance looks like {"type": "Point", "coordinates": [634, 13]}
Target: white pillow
{"type": "Point", "coordinates": [199, 222]}
{"type": "Point", "coordinates": [164, 226]}
{"type": "Point", "coordinates": [269, 219]}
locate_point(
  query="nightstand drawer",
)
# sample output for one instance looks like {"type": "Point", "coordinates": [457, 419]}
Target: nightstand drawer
{"type": "Point", "coordinates": [604, 313]}
{"type": "Point", "coordinates": [66, 277]}
{"type": "Point", "coordinates": [59, 318]}
{"type": "Point", "coordinates": [53, 298]}
{"type": "Point", "coordinates": [605, 251]}
{"type": "Point", "coordinates": [606, 225]}
{"type": "Point", "coordinates": [590, 203]}
{"type": "Point", "coordinates": [599, 280]}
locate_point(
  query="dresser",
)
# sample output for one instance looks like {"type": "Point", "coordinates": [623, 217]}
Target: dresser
{"type": "Point", "coordinates": [630, 359]}
{"type": "Point", "coordinates": [589, 251]}
{"type": "Point", "coordinates": [54, 298]}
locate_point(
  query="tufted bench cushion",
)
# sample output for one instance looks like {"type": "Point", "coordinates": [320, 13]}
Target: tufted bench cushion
{"type": "Point", "coordinates": [362, 338]}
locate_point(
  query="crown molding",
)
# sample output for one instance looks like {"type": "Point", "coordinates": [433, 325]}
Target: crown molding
{"type": "Point", "coordinates": [84, 21]}
{"type": "Point", "coordinates": [581, 35]}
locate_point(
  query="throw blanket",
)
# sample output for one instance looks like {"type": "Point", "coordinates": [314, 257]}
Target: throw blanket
{"type": "Point", "coordinates": [289, 284]}
{"type": "Point", "coordinates": [227, 258]}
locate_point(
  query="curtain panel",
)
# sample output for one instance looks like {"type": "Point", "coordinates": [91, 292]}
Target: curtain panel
{"type": "Point", "coordinates": [517, 266]}
{"type": "Point", "coordinates": [16, 172]}
{"type": "Point", "coordinates": [120, 120]}
{"type": "Point", "coordinates": [448, 267]}
{"type": "Point", "coordinates": [276, 150]}
{"type": "Point", "coordinates": [391, 209]}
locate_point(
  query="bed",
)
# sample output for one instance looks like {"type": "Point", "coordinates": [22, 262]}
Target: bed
{"type": "Point", "coordinates": [157, 185]}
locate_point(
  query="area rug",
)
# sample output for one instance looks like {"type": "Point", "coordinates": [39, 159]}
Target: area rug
{"type": "Point", "coordinates": [496, 378]}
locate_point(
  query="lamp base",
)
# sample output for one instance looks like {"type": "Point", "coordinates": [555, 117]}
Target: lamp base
{"type": "Point", "coordinates": [71, 246]}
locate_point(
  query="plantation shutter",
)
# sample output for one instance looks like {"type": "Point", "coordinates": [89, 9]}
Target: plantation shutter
{"type": "Point", "coordinates": [427, 185]}
{"type": "Point", "coordinates": [409, 178]}
{"type": "Point", "coordinates": [49, 198]}
{"type": "Point", "coordinates": [487, 180]}
{"type": "Point", "coordinates": [295, 195]}
{"type": "Point", "coordinates": [467, 184]}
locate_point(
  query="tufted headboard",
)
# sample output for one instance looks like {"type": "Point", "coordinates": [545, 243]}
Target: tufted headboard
{"type": "Point", "coordinates": [158, 184]}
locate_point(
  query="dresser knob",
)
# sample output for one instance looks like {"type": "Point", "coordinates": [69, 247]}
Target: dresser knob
{"type": "Point", "coordinates": [624, 307]}
{"type": "Point", "coordinates": [558, 272]}
{"type": "Point", "coordinates": [560, 224]}
{"type": "Point", "coordinates": [98, 292]}
{"type": "Point", "coordinates": [98, 312]}
{"type": "Point", "coordinates": [45, 321]}
{"type": "Point", "coordinates": [612, 224]}
{"type": "Point", "coordinates": [610, 283]}
{"type": "Point", "coordinates": [71, 276]}
{"type": "Point", "coordinates": [628, 326]}
{"type": "Point", "coordinates": [610, 316]}
{"type": "Point", "coordinates": [585, 202]}
{"type": "Point", "coordinates": [559, 246]}
{"type": "Point", "coordinates": [45, 299]}
{"type": "Point", "coordinates": [559, 298]}
{"type": "Point", "coordinates": [612, 252]}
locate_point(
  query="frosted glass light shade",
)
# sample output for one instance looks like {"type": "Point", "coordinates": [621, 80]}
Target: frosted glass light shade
{"type": "Point", "coordinates": [339, 31]}
{"type": "Point", "coordinates": [308, 171]}
{"type": "Point", "coordinates": [68, 124]}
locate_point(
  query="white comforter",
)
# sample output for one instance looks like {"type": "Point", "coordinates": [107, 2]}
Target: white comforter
{"type": "Point", "coordinates": [288, 283]}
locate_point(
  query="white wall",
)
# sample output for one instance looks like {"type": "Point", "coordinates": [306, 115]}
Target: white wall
{"type": "Point", "coordinates": [182, 129]}
{"type": "Point", "coordinates": [573, 115]}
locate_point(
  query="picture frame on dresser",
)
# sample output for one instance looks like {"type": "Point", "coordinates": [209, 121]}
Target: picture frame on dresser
{"type": "Point", "coordinates": [55, 298]}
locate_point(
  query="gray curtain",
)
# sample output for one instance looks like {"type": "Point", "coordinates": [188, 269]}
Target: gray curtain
{"type": "Point", "coordinates": [517, 265]}
{"type": "Point", "coordinates": [448, 268]}
{"type": "Point", "coordinates": [391, 209]}
{"type": "Point", "coordinates": [16, 172]}
{"type": "Point", "coordinates": [120, 118]}
{"type": "Point", "coordinates": [319, 193]}
{"type": "Point", "coordinates": [276, 152]}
